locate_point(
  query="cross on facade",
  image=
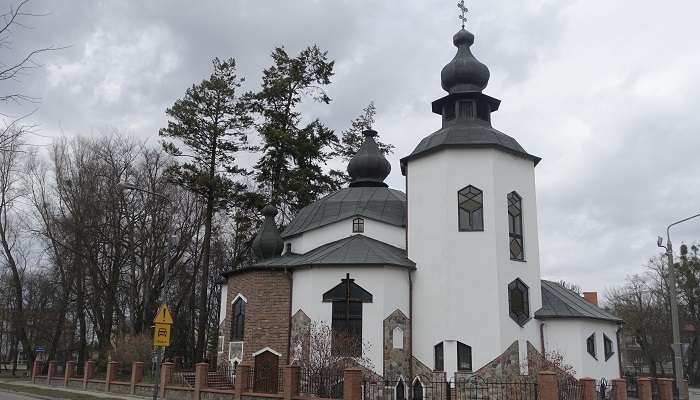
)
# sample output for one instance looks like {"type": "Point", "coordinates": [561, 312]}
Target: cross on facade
{"type": "Point", "coordinates": [463, 12]}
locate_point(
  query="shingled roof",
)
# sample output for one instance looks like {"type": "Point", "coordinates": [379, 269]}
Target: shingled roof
{"type": "Point", "coordinates": [377, 203]}
{"type": "Point", "coordinates": [560, 302]}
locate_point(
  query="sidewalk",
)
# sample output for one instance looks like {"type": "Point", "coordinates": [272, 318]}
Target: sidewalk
{"type": "Point", "coordinates": [694, 393]}
{"type": "Point", "coordinates": [35, 391]}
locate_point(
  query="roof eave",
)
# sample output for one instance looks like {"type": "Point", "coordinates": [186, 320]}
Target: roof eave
{"type": "Point", "coordinates": [404, 161]}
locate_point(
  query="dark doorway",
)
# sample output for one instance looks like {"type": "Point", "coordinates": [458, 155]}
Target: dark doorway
{"type": "Point", "coordinates": [266, 373]}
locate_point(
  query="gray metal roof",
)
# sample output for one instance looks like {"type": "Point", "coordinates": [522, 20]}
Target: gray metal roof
{"type": "Point", "coordinates": [356, 249]}
{"type": "Point", "coordinates": [559, 302]}
{"type": "Point", "coordinates": [469, 134]}
{"type": "Point", "coordinates": [377, 203]}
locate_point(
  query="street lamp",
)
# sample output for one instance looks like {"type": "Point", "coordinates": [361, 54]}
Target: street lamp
{"type": "Point", "coordinates": [172, 239]}
{"type": "Point", "coordinates": [677, 349]}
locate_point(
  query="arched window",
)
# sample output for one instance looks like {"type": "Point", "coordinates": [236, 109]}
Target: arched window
{"type": "Point", "coordinates": [471, 209]}
{"type": "Point", "coordinates": [439, 357]}
{"type": "Point", "coordinates": [417, 390]}
{"type": "Point", "coordinates": [400, 390]}
{"type": "Point", "coordinates": [238, 320]}
{"type": "Point", "coordinates": [464, 357]}
{"type": "Point", "coordinates": [519, 301]}
{"type": "Point", "coordinates": [358, 225]}
{"type": "Point", "coordinates": [515, 227]}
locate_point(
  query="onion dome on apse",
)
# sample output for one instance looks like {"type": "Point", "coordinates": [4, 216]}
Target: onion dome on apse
{"type": "Point", "coordinates": [369, 167]}
{"type": "Point", "coordinates": [268, 242]}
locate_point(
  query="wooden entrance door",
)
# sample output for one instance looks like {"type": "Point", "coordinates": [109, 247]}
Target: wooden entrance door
{"type": "Point", "coordinates": [266, 373]}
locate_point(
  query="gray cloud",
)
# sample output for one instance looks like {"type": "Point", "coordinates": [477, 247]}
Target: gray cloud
{"type": "Point", "coordinates": [605, 92]}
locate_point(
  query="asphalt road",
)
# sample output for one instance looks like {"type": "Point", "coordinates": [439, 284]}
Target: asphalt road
{"type": "Point", "coordinates": [14, 396]}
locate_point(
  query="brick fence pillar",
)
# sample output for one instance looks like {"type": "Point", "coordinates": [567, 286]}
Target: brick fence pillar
{"type": "Point", "coordinates": [291, 382]}
{"type": "Point", "coordinates": [136, 375]}
{"type": "Point", "coordinates": [166, 376]}
{"type": "Point", "coordinates": [644, 388]}
{"type": "Point", "coordinates": [684, 395]}
{"type": "Point", "coordinates": [665, 388]}
{"type": "Point", "coordinates": [70, 372]}
{"type": "Point", "coordinates": [588, 388]}
{"type": "Point", "coordinates": [201, 372]}
{"type": "Point", "coordinates": [352, 384]}
{"type": "Point", "coordinates": [88, 372]}
{"type": "Point", "coordinates": [36, 370]}
{"type": "Point", "coordinates": [111, 374]}
{"type": "Point", "coordinates": [547, 385]}
{"type": "Point", "coordinates": [240, 386]}
{"type": "Point", "coordinates": [52, 371]}
{"type": "Point", "coordinates": [619, 389]}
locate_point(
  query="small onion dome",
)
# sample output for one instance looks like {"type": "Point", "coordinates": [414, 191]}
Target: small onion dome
{"type": "Point", "coordinates": [369, 167]}
{"type": "Point", "coordinates": [464, 73]}
{"type": "Point", "coordinates": [268, 242]}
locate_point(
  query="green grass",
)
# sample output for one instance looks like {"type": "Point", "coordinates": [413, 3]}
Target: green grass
{"type": "Point", "coordinates": [54, 394]}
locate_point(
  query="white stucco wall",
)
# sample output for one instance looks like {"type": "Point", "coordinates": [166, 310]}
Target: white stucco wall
{"type": "Point", "coordinates": [461, 282]}
{"type": "Point", "coordinates": [568, 337]}
{"type": "Point", "coordinates": [222, 306]}
{"type": "Point", "coordinates": [391, 234]}
{"type": "Point", "coordinates": [389, 288]}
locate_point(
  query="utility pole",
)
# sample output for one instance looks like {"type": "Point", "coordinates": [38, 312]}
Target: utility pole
{"type": "Point", "coordinates": [673, 293]}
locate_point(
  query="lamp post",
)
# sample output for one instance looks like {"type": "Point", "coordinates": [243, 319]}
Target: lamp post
{"type": "Point", "coordinates": [163, 298]}
{"type": "Point", "coordinates": [677, 349]}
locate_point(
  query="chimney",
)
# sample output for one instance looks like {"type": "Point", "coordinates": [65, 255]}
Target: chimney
{"type": "Point", "coordinates": [591, 297]}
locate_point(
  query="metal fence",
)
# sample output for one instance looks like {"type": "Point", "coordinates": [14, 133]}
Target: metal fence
{"type": "Point", "coordinates": [324, 383]}
{"type": "Point", "coordinates": [266, 379]}
{"type": "Point", "coordinates": [570, 389]}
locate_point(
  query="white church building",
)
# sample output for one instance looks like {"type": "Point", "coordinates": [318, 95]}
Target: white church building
{"type": "Point", "coordinates": [442, 278]}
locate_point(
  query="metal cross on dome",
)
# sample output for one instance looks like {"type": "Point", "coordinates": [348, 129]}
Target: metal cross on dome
{"type": "Point", "coordinates": [464, 10]}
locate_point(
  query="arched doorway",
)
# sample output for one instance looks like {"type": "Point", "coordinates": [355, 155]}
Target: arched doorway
{"type": "Point", "coordinates": [266, 372]}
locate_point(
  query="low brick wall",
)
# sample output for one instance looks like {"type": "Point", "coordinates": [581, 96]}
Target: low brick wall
{"type": "Point", "coordinates": [98, 386]}
{"type": "Point", "coordinates": [143, 390]}
{"type": "Point", "coordinates": [120, 387]}
{"type": "Point", "coordinates": [212, 394]}
{"type": "Point", "coordinates": [75, 383]}
{"type": "Point", "coordinates": [178, 393]}
{"type": "Point", "coordinates": [261, 396]}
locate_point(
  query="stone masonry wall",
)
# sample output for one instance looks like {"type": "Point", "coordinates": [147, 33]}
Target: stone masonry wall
{"type": "Point", "coordinates": [266, 313]}
{"type": "Point", "coordinates": [396, 360]}
{"type": "Point", "coordinates": [505, 367]}
{"type": "Point", "coordinates": [299, 342]}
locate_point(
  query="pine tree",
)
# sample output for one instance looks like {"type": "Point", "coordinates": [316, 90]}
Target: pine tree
{"type": "Point", "coordinates": [352, 138]}
{"type": "Point", "coordinates": [294, 153]}
{"type": "Point", "coordinates": [210, 122]}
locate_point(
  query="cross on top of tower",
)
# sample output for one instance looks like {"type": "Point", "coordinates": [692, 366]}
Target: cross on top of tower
{"type": "Point", "coordinates": [463, 12]}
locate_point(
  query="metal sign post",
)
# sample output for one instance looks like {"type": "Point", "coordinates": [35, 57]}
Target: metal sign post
{"type": "Point", "coordinates": [163, 323]}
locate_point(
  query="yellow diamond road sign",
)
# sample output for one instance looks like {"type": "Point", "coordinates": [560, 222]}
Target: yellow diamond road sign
{"type": "Point", "coordinates": [163, 316]}
{"type": "Point", "coordinates": [161, 335]}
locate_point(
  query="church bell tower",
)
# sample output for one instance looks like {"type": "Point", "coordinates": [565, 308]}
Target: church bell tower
{"type": "Point", "coordinates": [472, 229]}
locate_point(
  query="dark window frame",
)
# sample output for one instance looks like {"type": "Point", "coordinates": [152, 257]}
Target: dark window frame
{"type": "Point", "coordinates": [238, 320]}
{"type": "Point", "coordinates": [519, 308]}
{"type": "Point", "coordinates": [515, 227]}
{"type": "Point", "coordinates": [358, 225]}
{"type": "Point", "coordinates": [608, 347]}
{"type": "Point", "coordinates": [470, 209]}
{"type": "Point", "coordinates": [439, 356]}
{"type": "Point", "coordinates": [347, 299]}
{"type": "Point", "coordinates": [464, 351]}
{"type": "Point", "coordinates": [400, 388]}
{"type": "Point", "coordinates": [591, 346]}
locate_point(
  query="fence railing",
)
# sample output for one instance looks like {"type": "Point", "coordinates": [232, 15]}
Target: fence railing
{"type": "Point", "coordinates": [266, 379]}
{"type": "Point", "coordinates": [570, 389]}
{"type": "Point", "coordinates": [324, 383]}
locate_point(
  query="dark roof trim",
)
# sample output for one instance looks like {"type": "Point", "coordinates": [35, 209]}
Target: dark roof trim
{"type": "Point", "coordinates": [561, 303]}
{"type": "Point", "coordinates": [404, 161]}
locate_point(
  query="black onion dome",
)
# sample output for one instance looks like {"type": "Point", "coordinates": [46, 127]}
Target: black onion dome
{"type": "Point", "coordinates": [369, 167]}
{"type": "Point", "coordinates": [268, 242]}
{"type": "Point", "coordinates": [464, 73]}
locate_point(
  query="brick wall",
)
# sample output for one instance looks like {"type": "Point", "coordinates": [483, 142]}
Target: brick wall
{"type": "Point", "coordinates": [267, 311]}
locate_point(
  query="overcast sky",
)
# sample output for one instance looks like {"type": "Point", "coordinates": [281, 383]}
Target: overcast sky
{"type": "Point", "coordinates": [606, 92]}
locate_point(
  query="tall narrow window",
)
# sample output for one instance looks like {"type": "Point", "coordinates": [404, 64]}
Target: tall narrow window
{"type": "Point", "coordinates": [464, 357]}
{"type": "Point", "coordinates": [346, 313]}
{"type": "Point", "coordinates": [590, 346]}
{"type": "Point", "coordinates": [515, 227]}
{"type": "Point", "coordinates": [400, 390]}
{"type": "Point", "coordinates": [439, 357]}
{"type": "Point", "coordinates": [449, 111]}
{"type": "Point", "coordinates": [466, 110]}
{"type": "Point", "coordinates": [417, 390]}
{"type": "Point", "coordinates": [608, 347]}
{"type": "Point", "coordinates": [238, 321]}
{"type": "Point", "coordinates": [358, 225]}
{"type": "Point", "coordinates": [471, 209]}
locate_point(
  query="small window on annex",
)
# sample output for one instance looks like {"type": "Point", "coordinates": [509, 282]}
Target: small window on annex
{"type": "Point", "coordinates": [471, 209]}
{"type": "Point", "coordinates": [238, 321]}
{"type": "Point", "coordinates": [590, 346]}
{"type": "Point", "coordinates": [519, 301]}
{"type": "Point", "coordinates": [358, 225]}
{"type": "Point", "coordinates": [608, 347]}
{"type": "Point", "coordinates": [439, 357]}
{"type": "Point", "coordinates": [464, 357]}
{"type": "Point", "coordinates": [515, 227]}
